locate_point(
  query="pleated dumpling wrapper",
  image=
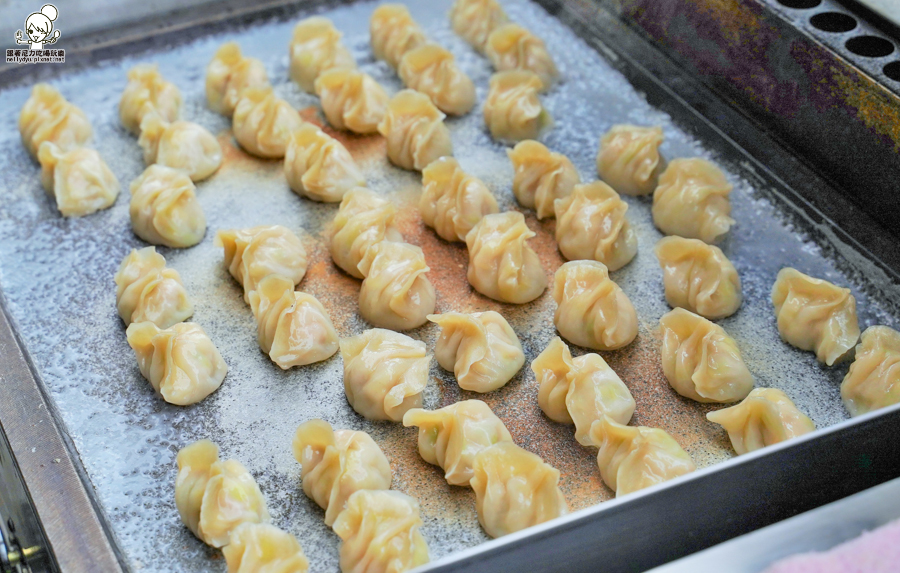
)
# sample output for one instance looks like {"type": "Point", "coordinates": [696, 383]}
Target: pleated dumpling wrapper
{"type": "Point", "coordinates": [474, 20]}
{"type": "Point", "coordinates": [148, 92]}
{"type": "Point", "coordinates": [48, 116]}
{"type": "Point", "coordinates": [512, 47]}
{"type": "Point", "coordinates": [692, 201]}
{"type": "Point", "coordinates": [337, 463]}
{"type": "Point", "coordinates": [432, 70]}
{"type": "Point", "coordinates": [181, 145]}
{"type": "Point", "coordinates": [632, 458]}
{"type": "Point", "coordinates": [579, 391]}
{"type": "Point", "coordinates": [255, 253]}
{"type": "Point", "coordinates": [814, 314]}
{"type": "Point", "coordinates": [362, 220]}
{"type": "Point", "coordinates": [395, 292]}
{"type": "Point", "coordinates": [629, 159]}
{"type": "Point", "coordinates": [591, 223]}
{"type": "Point", "coordinates": [481, 349]}
{"type": "Point", "coordinates": [415, 131]}
{"type": "Point", "coordinates": [513, 110]}
{"type": "Point", "coordinates": [214, 497]}
{"type": "Point", "coordinates": [765, 417]}
{"type": "Point", "coordinates": [319, 167]}
{"type": "Point", "coordinates": [698, 277]}
{"type": "Point", "coordinates": [700, 360]}
{"type": "Point", "coordinates": [393, 33]}
{"type": "Point", "coordinates": [147, 291]}
{"type": "Point", "coordinates": [293, 328]}
{"type": "Point", "coordinates": [592, 311]}
{"type": "Point", "coordinates": [514, 489]}
{"type": "Point", "coordinates": [452, 200]}
{"type": "Point", "coordinates": [263, 123]}
{"type": "Point", "coordinates": [352, 100]}
{"type": "Point", "coordinates": [164, 208]}
{"type": "Point", "coordinates": [78, 179]}
{"type": "Point", "coordinates": [541, 176]}
{"type": "Point", "coordinates": [452, 436]}
{"type": "Point", "coordinates": [873, 380]}
{"type": "Point", "coordinates": [263, 548]}
{"type": "Point", "coordinates": [501, 265]}
{"type": "Point", "coordinates": [228, 74]}
{"type": "Point", "coordinates": [180, 362]}
{"type": "Point", "coordinates": [316, 47]}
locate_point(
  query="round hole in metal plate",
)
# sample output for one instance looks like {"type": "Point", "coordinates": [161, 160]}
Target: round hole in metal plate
{"type": "Point", "coordinates": [800, 4]}
{"type": "Point", "coordinates": [833, 22]}
{"type": "Point", "coordinates": [892, 70]}
{"type": "Point", "coordinates": [870, 46]}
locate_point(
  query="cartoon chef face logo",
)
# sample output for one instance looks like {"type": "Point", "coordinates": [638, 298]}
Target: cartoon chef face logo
{"type": "Point", "coordinates": [39, 28]}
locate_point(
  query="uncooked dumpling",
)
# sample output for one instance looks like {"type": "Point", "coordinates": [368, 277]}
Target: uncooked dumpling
{"type": "Point", "coordinates": [698, 277]}
{"type": "Point", "coordinates": [78, 179]}
{"type": "Point", "coordinates": [452, 200]}
{"type": "Point", "coordinates": [352, 100]}
{"type": "Point", "coordinates": [148, 92]}
{"type": "Point", "coordinates": [474, 20]}
{"type": "Point", "coordinates": [765, 417]}
{"type": "Point", "coordinates": [319, 167]}
{"type": "Point", "coordinates": [147, 291]}
{"type": "Point", "coordinates": [181, 145]}
{"type": "Point", "coordinates": [541, 176]}
{"type": "Point", "coordinates": [395, 294]}
{"type": "Point", "coordinates": [432, 70]}
{"type": "Point", "coordinates": [692, 201]}
{"type": "Point", "coordinates": [394, 32]}
{"type": "Point", "coordinates": [228, 75]}
{"type": "Point", "coordinates": [629, 159]}
{"type": "Point", "coordinates": [263, 123]}
{"type": "Point", "coordinates": [255, 253]}
{"type": "Point", "coordinates": [316, 47]}
{"type": "Point", "coordinates": [48, 116]}
{"type": "Point", "coordinates": [263, 548]}
{"type": "Point", "coordinates": [512, 47]}
{"type": "Point", "coordinates": [513, 110]}
{"type": "Point", "coordinates": [164, 208]}
{"type": "Point", "coordinates": [873, 381]}
{"type": "Point", "coordinates": [363, 220]}
{"type": "Point", "coordinates": [415, 131]}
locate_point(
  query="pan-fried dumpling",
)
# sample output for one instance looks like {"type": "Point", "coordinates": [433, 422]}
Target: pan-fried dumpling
{"type": "Point", "coordinates": [255, 253]}
{"type": "Point", "coordinates": [214, 497]}
{"type": "Point", "coordinates": [164, 208]}
{"type": "Point", "coordinates": [691, 201]}
{"type": "Point", "coordinates": [512, 47]}
{"type": "Point", "coordinates": [501, 265]}
{"type": "Point", "coordinates": [581, 390]}
{"type": "Point", "coordinates": [474, 20]}
{"type": "Point", "coordinates": [415, 131]}
{"type": "Point", "coordinates": [629, 159]}
{"type": "Point", "coordinates": [700, 360]}
{"type": "Point", "coordinates": [293, 328]}
{"type": "Point", "coordinates": [452, 436]}
{"type": "Point", "coordinates": [335, 464]}
{"type": "Point", "coordinates": [263, 123]}
{"type": "Point", "coordinates": [363, 219]}
{"type": "Point", "coordinates": [48, 116]}
{"type": "Point", "coordinates": [315, 47]}
{"type": "Point", "coordinates": [591, 224]}
{"type": "Point", "coordinates": [147, 291]}
{"type": "Point", "coordinates": [319, 167]}
{"type": "Point", "coordinates": [634, 457]}
{"type": "Point", "coordinates": [432, 70]}
{"type": "Point", "coordinates": [698, 277]}
{"type": "Point", "coordinates": [873, 381]}
{"type": "Point", "coordinates": [263, 548]}
{"type": "Point", "coordinates": [78, 179]}
{"type": "Point", "coordinates": [513, 111]}
{"type": "Point", "coordinates": [395, 294]}
{"type": "Point", "coordinates": [380, 532]}
{"type": "Point", "coordinates": [815, 315]}
{"type": "Point", "coordinates": [352, 100]}
{"type": "Point", "coordinates": [514, 489]}
{"type": "Point", "coordinates": [452, 200]}
{"type": "Point", "coordinates": [481, 349]}
{"type": "Point", "coordinates": [765, 417]}
{"type": "Point", "coordinates": [541, 176]}
{"type": "Point", "coordinates": [148, 92]}
{"type": "Point", "coordinates": [592, 311]}
{"type": "Point", "coordinates": [228, 75]}
{"type": "Point", "coordinates": [394, 32]}
{"type": "Point", "coordinates": [181, 145]}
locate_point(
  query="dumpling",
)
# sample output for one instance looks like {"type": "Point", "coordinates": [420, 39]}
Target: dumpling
{"type": "Point", "coordinates": [352, 100]}
{"type": "Point", "coordinates": [363, 219]}
{"type": "Point", "coordinates": [700, 360]}
{"type": "Point", "coordinates": [335, 464]}
{"type": "Point", "coordinates": [385, 373]}
{"type": "Point", "coordinates": [629, 159]}
{"type": "Point", "coordinates": [481, 349]}
{"type": "Point", "coordinates": [263, 123]}
{"type": "Point", "coordinates": [452, 436]}
{"type": "Point", "coordinates": [541, 176]}
{"type": "Point", "coordinates": [474, 20]}
{"type": "Point", "coordinates": [393, 33]}
{"type": "Point", "coordinates": [380, 533]}
{"type": "Point", "coordinates": [501, 265]}
{"type": "Point", "coordinates": [512, 47]}
{"type": "Point", "coordinates": [873, 381]}
{"type": "Point", "coordinates": [148, 92]}
{"type": "Point", "coordinates": [691, 201]}
{"type": "Point", "coordinates": [513, 111]}
{"type": "Point", "coordinates": [181, 145]}
{"type": "Point", "coordinates": [78, 179]}
{"type": "Point", "coordinates": [315, 47]}
{"type": "Point", "coordinates": [147, 291]}
{"type": "Point", "coordinates": [698, 277]}
{"type": "Point", "coordinates": [215, 496]}
{"type": "Point", "coordinates": [634, 457]}
{"type": "Point", "coordinates": [48, 116]}
{"type": "Point", "coordinates": [164, 208]}
{"type": "Point", "coordinates": [293, 328]}
{"type": "Point", "coordinates": [263, 548]}
{"type": "Point", "coordinates": [228, 75]}
{"type": "Point", "coordinates": [765, 417]}
{"type": "Point", "coordinates": [395, 294]}
{"type": "Point", "coordinates": [581, 390]}
{"type": "Point", "coordinates": [432, 70]}
{"type": "Point", "coordinates": [318, 167]}
{"type": "Point", "coordinates": [591, 224]}
{"type": "Point", "coordinates": [255, 253]}
{"type": "Point", "coordinates": [592, 311]}
{"type": "Point", "coordinates": [452, 200]}
{"type": "Point", "coordinates": [815, 315]}
{"type": "Point", "coordinates": [415, 131]}
{"type": "Point", "coordinates": [514, 489]}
